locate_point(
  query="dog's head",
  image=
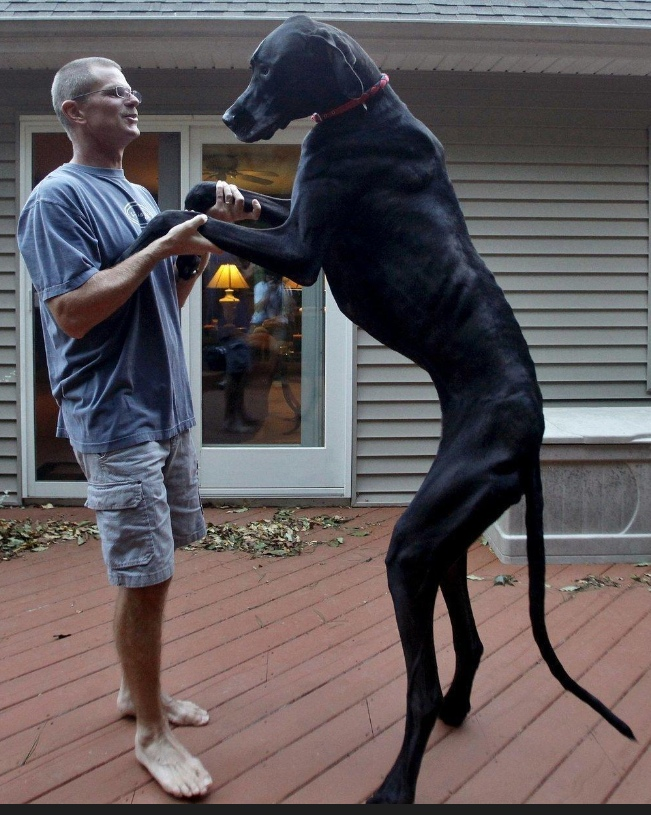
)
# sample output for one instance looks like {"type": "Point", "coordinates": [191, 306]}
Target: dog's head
{"type": "Point", "coordinates": [302, 67]}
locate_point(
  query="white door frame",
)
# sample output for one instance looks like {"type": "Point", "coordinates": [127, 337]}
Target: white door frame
{"type": "Point", "coordinates": [324, 472]}
{"type": "Point", "coordinates": [278, 471]}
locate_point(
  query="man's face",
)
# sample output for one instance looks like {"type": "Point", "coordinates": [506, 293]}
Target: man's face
{"type": "Point", "coordinates": [109, 120]}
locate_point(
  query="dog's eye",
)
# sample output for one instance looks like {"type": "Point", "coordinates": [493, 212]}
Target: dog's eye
{"type": "Point", "coordinates": [265, 70]}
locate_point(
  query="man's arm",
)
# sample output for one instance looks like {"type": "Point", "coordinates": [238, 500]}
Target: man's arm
{"type": "Point", "coordinates": [80, 310]}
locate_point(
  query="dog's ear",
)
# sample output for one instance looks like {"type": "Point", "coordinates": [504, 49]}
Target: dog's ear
{"type": "Point", "coordinates": [342, 58]}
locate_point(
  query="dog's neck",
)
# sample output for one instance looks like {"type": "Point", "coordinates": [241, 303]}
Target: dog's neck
{"type": "Point", "coordinates": [352, 103]}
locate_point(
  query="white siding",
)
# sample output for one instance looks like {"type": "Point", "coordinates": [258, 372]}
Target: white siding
{"type": "Point", "coordinates": [8, 343]}
{"type": "Point", "coordinates": [552, 175]}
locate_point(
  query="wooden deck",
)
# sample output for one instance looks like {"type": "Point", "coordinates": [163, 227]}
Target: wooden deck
{"type": "Point", "coordinates": [299, 663]}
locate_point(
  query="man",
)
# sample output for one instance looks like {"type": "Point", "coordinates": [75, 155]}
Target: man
{"type": "Point", "coordinates": [271, 305]}
{"type": "Point", "coordinates": [117, 370]}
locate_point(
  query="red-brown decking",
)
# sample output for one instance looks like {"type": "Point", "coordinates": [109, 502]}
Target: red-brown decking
{"type": "Point", "coordinates": [299, 663]}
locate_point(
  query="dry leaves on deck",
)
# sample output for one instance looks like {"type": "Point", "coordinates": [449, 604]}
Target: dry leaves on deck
{"type": "Point", "coordinates": [593, 582]}
{"type": "Point", "coordinates": [285, 535]}
{"type": "Point", "coordinates": [26, 535]}
{"type": "Point", "coordinates": [504, 580]}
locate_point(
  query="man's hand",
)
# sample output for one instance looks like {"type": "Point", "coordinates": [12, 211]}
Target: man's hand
{"type": "Point", "coordinates": [183, 239]}
{"type": "Point", "coordinates": [229, 205]}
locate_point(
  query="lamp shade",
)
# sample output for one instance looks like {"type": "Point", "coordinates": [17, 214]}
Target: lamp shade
{"type": "Point", "coordinates": [228, 277]}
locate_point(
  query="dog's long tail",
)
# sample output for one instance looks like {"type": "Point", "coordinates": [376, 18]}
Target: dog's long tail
{"type": "Point", "coordinates": [536, 558]}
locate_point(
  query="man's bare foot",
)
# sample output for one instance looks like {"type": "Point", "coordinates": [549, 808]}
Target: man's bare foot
{"type": "Point", "coordinates": [181, 712]}
{"type": "Point", "coordinates": [177, 771]}
{"type": "Point", "coordinates": [178, 711]}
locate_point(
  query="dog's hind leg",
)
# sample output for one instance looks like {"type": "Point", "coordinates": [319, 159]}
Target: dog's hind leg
{"type": "Point", "coordinates": [460, 497]}
{"type": "Point", "coordinates": [468, 647]}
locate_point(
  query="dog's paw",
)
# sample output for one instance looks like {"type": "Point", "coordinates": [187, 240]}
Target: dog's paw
{"type": "Point", "coordinates": [201, 197]}
{"type": "Point", "coordinates": [454, 710]}
{"type": "Point", "coordinates": [187, 265]}
{"type": "Point", "coordinates": [380, 796]}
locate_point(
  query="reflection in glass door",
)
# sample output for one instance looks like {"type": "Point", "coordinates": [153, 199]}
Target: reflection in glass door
{"type": "Point", "coordinates": [258, 387]}
{"type": "Point", "coordinates": [273, 358]}
{"type": "Point", "coordinates": [262, 334]}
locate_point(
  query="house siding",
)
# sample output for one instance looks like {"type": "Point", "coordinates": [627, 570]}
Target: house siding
{"type": "Point", "coordinates": [552, 174]}
{"type": "Point", "coordinates": [8, 333]}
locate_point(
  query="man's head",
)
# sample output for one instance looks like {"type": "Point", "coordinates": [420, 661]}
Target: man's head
{"type": "Point", "coordinates": [76, 78]}
{"type": "Point", "coordinates": [272, 278]}
{"type": "Point", "coordinates": [97, 108]}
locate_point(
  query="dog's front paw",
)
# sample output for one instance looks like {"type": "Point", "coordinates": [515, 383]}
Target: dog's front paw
{"type": "Point", "coordinates": [187, 265]}
{"type": "Point", "coordinates": [201, 197]}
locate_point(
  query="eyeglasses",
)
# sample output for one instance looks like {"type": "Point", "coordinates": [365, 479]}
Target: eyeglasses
{"type": "Point", "coordinates": [120, 91]}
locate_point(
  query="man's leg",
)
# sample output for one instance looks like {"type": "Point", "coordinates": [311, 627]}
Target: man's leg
{"type": "Point", "coordinates": [178, 712]}
{"type": "Point", "coordinates": [129, 489]}
{"type": "Point", "coordinates": [138, 632]}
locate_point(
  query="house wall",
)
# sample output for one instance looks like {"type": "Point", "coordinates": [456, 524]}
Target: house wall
{"type": "Point", "coordinates": [552, 173]}
{"type": "Point", "coordinates": [8, 302]}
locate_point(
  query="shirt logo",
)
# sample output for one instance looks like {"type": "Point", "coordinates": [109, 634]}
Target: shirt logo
{"type": "Point", "coordinates": [139, 214]}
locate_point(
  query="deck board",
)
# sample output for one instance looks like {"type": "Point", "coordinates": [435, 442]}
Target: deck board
{"type": "Point", "coordinates": [299, 663]}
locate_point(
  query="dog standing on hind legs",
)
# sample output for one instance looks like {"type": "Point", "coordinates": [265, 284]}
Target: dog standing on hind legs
{"type": "Point", "coordinates": [371, 192]}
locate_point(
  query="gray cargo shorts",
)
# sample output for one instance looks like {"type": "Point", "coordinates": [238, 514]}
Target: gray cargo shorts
{"type": "Point", "coordinates": [146, 499]}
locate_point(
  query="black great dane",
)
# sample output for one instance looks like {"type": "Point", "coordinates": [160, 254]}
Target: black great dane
{"type": "Point", "coordinates": [372, 204]}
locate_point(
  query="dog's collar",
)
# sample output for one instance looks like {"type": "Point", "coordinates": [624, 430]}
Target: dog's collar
{"type": "Point", "coordinates": [352, 103]}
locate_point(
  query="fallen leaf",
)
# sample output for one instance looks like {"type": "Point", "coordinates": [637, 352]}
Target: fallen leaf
{"type": "Point", "coordinates": [642, 578]}
{"type": "Point", "coordinates": [504, 580]}
{"type": "Point", "coordinates": [593, 582]}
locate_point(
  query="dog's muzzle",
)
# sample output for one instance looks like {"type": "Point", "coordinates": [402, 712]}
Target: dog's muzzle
{"type": "Point", "coordinates": [249, 128]}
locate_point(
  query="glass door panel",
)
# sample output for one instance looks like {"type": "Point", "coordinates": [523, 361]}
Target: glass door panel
{"type": "Point", "coordinates": [153, 160]}
{"type": "Point", "coordinates": [269, 395]}
{"type": "Point", "coordinates": [258, 387]}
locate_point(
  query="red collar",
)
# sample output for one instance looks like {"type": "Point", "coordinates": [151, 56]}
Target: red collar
{"type": "Point", "coordinates": [352, 103]}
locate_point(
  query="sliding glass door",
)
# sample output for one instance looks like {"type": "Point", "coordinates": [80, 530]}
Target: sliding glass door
{"type": "Point", "coordinates": [271, 360]}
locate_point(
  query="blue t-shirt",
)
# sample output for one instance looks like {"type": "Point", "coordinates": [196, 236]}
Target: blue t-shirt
{"type": "Point", "coordinates": [126, 381]}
